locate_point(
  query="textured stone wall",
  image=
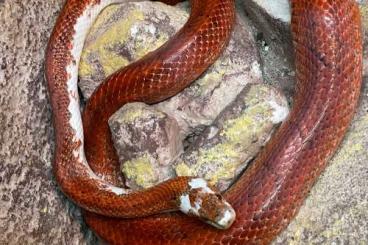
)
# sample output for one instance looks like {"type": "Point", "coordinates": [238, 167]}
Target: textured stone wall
{"type": "Point", "coordinates": [31, 209]}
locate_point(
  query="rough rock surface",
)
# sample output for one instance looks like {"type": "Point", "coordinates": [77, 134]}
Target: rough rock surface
{"type": "Point", "coordinates": [121, 41]}
{"type": "Point", "coordinates": [225, 148]}
{"type": "Point", "coordinates": [117, 38]}
{"type": "Point", "coordinates": [122, 34]}
{"type": "Point", "coordinates": [32, 211]}
{"type": "Point", "coordinates": [272, 22]}
{"type": "Point", "coordinates": [147, 142]}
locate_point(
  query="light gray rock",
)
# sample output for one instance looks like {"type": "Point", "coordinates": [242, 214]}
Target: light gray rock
{"type": "Point", "coordinates": [122, 34]}
{"type": "Point", "coordinates": [225, 148]}
{"type": "Point", "coordinates": [122, 42]}
{"type": "Point", "coordinates": [147, 142]}
{"type": "Point", "coordinates": [272, 30]}
{"type": "Point", "coordinates": [32, 210]}
{"type": "Point", "coordinates": [272, 19]}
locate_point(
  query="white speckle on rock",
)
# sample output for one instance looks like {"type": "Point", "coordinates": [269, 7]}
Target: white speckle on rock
{"type": "Point", "coordinates": [134, 30]}
{"type": "Point", "coordinates": [212, 132]}
{"type": "Point", "coordinates": [280, 112]}
{"type": "Point", "coordinates": [151, 29]}
{"type": "Point", "coordinates": [279, 9]}
{"type": "Point", "coordinates": [256, 68]}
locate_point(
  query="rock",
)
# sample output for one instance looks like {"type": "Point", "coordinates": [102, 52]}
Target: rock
{"type": "Point", "coordinates": [272, 22]}
{"type": "Point", "coordinates": [32, 210]}
{"type": "Point", "coordinates": [223, 151]}
{"type": "Point", "coordinates": [122, 34]}
{"type": "Point", "coordinates": [147, 141]}
{"type": "Point", "coordinates": [198, 105]}
{"type": "Point", "coordinates": [155, 23]}
{"type": "Point", "coordinates": [272, 18]}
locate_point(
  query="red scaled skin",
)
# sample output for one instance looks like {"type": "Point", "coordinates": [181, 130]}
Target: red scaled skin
{"type": "Point", "coordinates": [328, 54]}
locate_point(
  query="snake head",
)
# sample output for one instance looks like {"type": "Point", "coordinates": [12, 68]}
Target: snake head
{"type": "Point", "coordinates": [203, 202]}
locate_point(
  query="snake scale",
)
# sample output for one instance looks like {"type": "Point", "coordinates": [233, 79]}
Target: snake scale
{"type": "Point", "coordinates": [328, 60]}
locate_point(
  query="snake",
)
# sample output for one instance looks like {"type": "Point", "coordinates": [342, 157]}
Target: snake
{"type": "Point", "coordinates": [327, 43]}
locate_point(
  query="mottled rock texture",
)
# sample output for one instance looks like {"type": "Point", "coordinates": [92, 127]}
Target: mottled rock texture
{"type": "Point", "coordinates": [32, 211]}
{"type": "Point", "coordinates": [114, 43]}
{"type": "Point", "coordinates": [124, 33]}
{"type": "Point", "coordinates": [235, 137]}
{"type": "Point", "coordinates": [147, 142]}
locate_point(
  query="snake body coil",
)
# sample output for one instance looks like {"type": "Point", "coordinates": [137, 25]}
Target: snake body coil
{"type": "Point", "coordinates": [328, 54]}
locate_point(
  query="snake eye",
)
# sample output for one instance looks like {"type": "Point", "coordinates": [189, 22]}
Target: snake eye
{"type": "Point", "coordinates": [219, 197]}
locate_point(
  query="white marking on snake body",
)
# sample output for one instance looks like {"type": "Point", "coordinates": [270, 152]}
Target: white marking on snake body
{"type": "Point", "coordinates": [81, 28]}
{"type": "Point", "coordinates": [118, 191]}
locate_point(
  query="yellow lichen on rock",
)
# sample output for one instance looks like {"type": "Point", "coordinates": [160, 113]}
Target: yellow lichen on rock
{"type": "Point", "coordinates": [183, 170]}
{"type": "Point", "coordinates": [118, 33]}
{"type": "Point", "coordinates": [139, 111]}
{"type": "Point", "coordinates": [140, 170]}
{"type": "Point", "coordinates": [221, 161]}
{"type": "Point", "coordinates": [131, 115]}
{"type": "Point", "coordinates": [210, 80]}
{"type": "Point", "coordinates": [142, 48]}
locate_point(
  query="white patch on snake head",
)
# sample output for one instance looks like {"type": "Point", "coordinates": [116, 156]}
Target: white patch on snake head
{"type": "Point", "coordinates": [202, 202]}
{"type": "Point", "coordinates": [226, 220]}
{"type": "Point", "coordinates": [187, 207]}
{"type": "Point", "coordinates": [200, 183]}
{"type": "Point", "coordinates": [192, 208]}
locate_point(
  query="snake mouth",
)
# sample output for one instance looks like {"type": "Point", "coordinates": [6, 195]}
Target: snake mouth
{"type": "Point", "coordinates": [228, 218]}
{"type": "Point", "coordinates": [224, 221]}
{"type": "Point", "coordinates": [216, 225]}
